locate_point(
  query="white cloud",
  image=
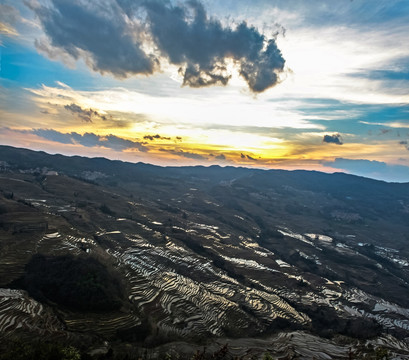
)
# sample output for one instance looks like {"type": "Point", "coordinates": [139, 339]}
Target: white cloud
{"type": "Point", "coordinates": [228, 109]}
{"type": "Point", "coordinates": [322, 63]}
{"type": "Point", "coordinates": [395, 124]}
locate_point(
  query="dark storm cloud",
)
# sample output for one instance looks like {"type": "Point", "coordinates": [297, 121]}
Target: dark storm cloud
{"type": "Point", "coordinates": [262, 73]}
{"type": "Point", "coordinates": [333, 139]}
{"type": "Point", "coordinates": [195, 76]}
{"type": "Point", "coordinates": [220, 157]}
{"type": "Point", "coordinates": [101, 31]}
{"type": "Point", "coordinates": [89, 139]}
{"type": "Point", "coordinates": [83, 114]}
{"type": "Point", "coordinates": [112, 39]}
{"type": "Point", "coordinates": [201, 45]}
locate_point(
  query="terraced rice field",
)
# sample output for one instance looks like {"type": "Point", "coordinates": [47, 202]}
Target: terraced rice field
{"type": "Point", "coordinates": [105, 325]}
{"type": "Point", "coordinates": [22, 314]}
{"type": "Point", "coordinates": [216, 304]}
{"type": "Point", "coordinates": [199, 275]}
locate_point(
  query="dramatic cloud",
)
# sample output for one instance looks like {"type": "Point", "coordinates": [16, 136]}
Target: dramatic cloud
{"type": "Point", "coordinates": [220, 157]}
{"type": "Point", "coordinates": [333, 139]}
{"type": "Point", "coordinates": [85, 115]}
{"type": "Point", "coordinates": [374, 169]}
{"type": "Point", "coordinates": [125, 38]}
{"type": "Point", "coordinates": [89, 139]}
{"type": "Point", "coordinates": [99, 33]}
{"type": "Point", "coordinates": [201, 45]}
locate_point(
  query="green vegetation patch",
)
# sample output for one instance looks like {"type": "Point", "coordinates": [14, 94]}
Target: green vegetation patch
{"type": "Point", "coordinates": [80, 283]}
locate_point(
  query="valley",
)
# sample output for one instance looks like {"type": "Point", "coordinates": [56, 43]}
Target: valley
{"type": "Point", "coordinates": [297, 264]}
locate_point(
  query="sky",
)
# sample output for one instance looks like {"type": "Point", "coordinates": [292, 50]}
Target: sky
{"type": "Point", "coordinates": [272, 84]}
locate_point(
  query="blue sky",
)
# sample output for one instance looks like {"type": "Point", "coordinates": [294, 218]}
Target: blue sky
{"type": "Point", "coordinates": [289, 84]}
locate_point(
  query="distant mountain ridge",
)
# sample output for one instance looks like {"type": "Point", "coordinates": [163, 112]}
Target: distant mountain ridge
{"type": "Point", "coordinates": [28, 159]}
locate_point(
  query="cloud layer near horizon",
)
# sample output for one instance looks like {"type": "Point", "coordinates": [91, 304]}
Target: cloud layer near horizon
{"type": "Point", "coordinates": [126, 38]}
{"type": "Point", "coordinates": [371, 168]}
{"type": "Point", "coordinates": [88, 139]}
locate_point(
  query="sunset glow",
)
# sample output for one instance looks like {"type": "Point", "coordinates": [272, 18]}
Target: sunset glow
{"type": "Point", "coordinates": [319, 84]}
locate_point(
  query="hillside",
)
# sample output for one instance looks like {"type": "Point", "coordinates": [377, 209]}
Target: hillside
{"type": "Point", "coordinates": [291, 263]}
